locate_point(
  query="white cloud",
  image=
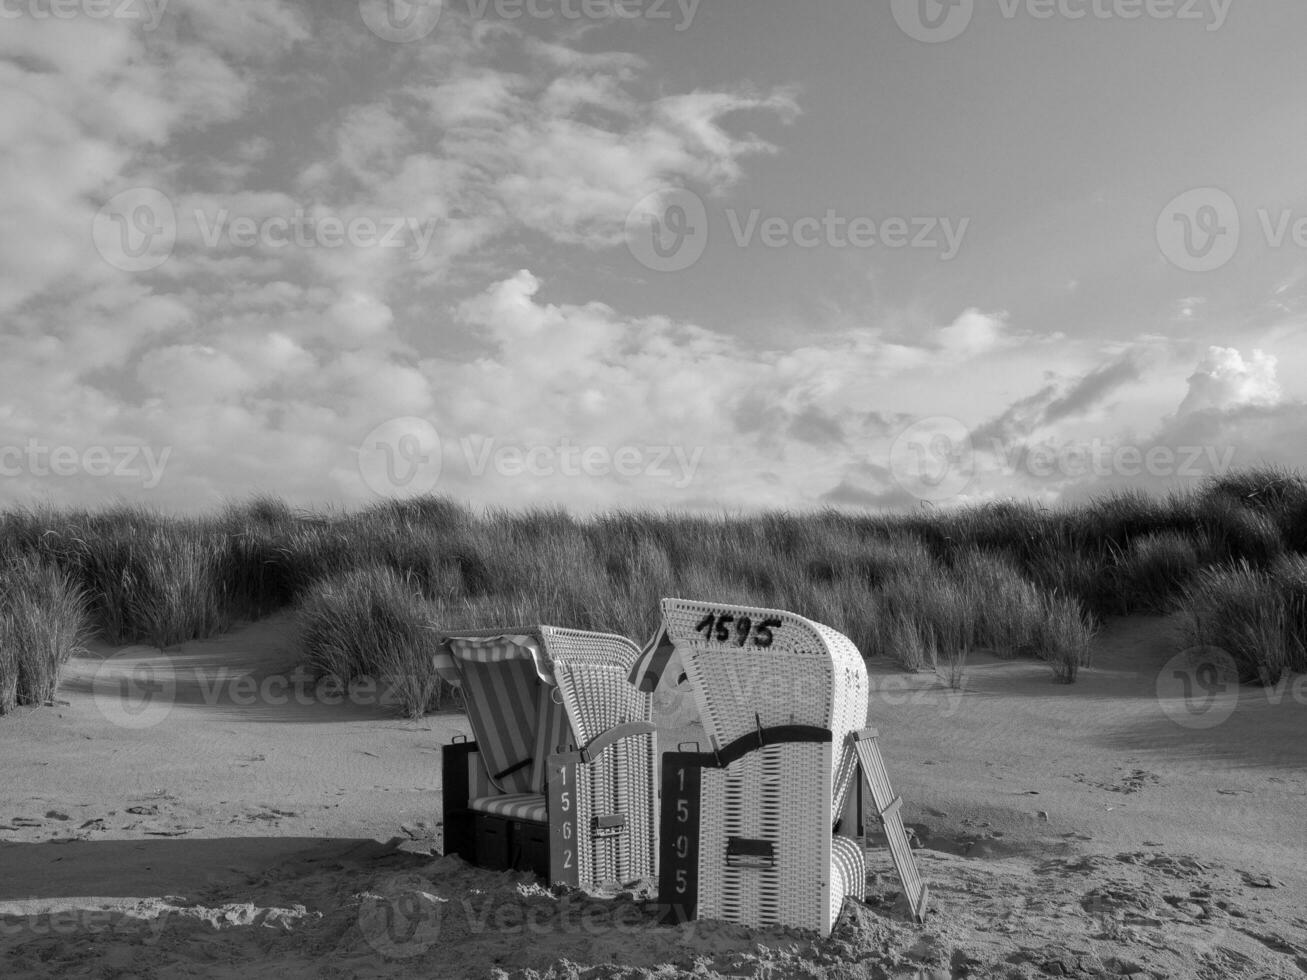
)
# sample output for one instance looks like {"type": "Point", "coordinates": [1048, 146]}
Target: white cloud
{"type": "Point", "coordinates": [361, 318]}
{"type": "Point", "coordinates": [1224, 381]}
{"type": "Point", "coordinates": [266, 366]}
{"type": "Point", "coordinates": [90, 105]}
{"type": "Point", "coordinates": [974, 333]}
{"type": "Point", "coordinates": [188, 374]}
{"type": "Point", "coordinates": [1231, 416]}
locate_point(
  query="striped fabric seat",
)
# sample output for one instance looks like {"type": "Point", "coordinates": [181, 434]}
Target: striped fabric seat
{"type": "Point", "coordinates": [503, 698]}
{"type": "Point", "coordinates": [514, 806]}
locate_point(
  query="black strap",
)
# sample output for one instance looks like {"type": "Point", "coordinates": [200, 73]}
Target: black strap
{"type": "Point", "coordinates": [514, 768]}
{"type": "Point", "coordinates": [776, 735]}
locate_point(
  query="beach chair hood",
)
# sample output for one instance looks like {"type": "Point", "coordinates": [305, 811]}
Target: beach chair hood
{"type": "Point", "coordinates": [751, 667]}
{"type": "Point", "coordinates": [494, 649]}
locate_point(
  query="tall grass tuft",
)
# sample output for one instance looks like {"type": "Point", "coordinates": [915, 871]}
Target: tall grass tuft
{"type": "Point", "coordinates": [925, 621]}
{"type": "Point", "coordinates": [1006, 606]}
{"type": "Point", "coordinates": [146, 578]}
{"type": "Point", "coordinates": [255, 580]}
{"type": "Point", "coordinates": [1065, 637]}
{"type": "Point", "coordinates": [908, 641]}
{"type": "Point", "coordinates": [1244, 611]}
{"type": "Point", "coordinates": [1279, 493]}
{"type": "Point", "coordinates": [953, 622]}
{"type": "Point", "coordinates": [368, 624]}
{"type": "Point", "coordinates": [1238, 533]}
{"type": "Point", "coordinates": [43, 619]}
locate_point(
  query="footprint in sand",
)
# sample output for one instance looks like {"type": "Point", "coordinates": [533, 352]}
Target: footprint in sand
{"type": "Point", "coordinates": [1254, 880]}
{"type": "Point", "coordinates": [1121, 782]}
{"type": "Point", "coordinates": [265, 814]}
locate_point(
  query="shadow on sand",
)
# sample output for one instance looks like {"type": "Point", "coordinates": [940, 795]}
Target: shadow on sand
{"type": "Point", "coordinates": [50, 874]}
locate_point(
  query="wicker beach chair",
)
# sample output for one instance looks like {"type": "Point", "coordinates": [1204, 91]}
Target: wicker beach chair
{"type": "Point", "coordinates": [561, 776]}
{"type": "Point", "coordinates": [748, 826]}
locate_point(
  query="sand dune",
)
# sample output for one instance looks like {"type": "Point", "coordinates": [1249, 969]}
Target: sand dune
{"type": "Point", "coordinates": [239, 825]}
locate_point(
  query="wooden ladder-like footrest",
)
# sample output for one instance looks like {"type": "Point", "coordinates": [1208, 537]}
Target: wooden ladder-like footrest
{"type": "Point", "coordinates": [888, 808]}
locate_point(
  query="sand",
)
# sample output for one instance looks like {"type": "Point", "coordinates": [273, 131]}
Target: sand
{"type": "Point", "coordinates": [238, 826]}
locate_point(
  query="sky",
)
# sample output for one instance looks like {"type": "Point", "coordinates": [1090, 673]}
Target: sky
{"type": "Point", "coordinates": [717, 256]}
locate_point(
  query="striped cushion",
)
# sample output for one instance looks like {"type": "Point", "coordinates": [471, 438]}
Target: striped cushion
{"type": "Point", "coordinates": [515, 806]}
{"type": "Point", "coordinates": [553, 731]}
{"type": "Point", "coordinates": [502, 712]}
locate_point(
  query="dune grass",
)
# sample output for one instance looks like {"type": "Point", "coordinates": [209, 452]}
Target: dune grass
{"type": "Point", "coordinates": [43, 619]}
{"type": "Point", "coordinates": [1157, 567]}
{"type": "Point", "coordinates": [1257, 616]}
{"type": "Point", "coordinates": [1064, 637]}
{"type": "Point", "coordinates": [1290, 577]}
{"type": "Point", "coordinates": [924, 590]}
{"type": "Point", "coordinates": [371, 625]}
{"type": "Point", "coordinates": [1006, 604]}
{"type": "Point", "coordinates": [1276, 493]}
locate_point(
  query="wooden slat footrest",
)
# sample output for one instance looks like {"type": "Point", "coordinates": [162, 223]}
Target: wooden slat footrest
{"type": "Point", "coordinates": [889, 807]}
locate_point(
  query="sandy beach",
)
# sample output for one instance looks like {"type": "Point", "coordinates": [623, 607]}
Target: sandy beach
{"type": "Point", "coordinates": [342, 345]}
{"type": "Point", "coordinates": [242, 825]}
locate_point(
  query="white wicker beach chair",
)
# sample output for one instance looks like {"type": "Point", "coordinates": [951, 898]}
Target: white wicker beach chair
{"type": "Point", "coordinates": [747, 826]}
{"type": "Point", "coordinates": [561, 776]}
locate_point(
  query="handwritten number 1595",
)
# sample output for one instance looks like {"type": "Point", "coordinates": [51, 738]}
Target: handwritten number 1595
{"type": "Point", "coordinates": [725, 628]}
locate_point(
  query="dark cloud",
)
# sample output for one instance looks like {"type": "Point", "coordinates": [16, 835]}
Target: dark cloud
{"type": "Point", "coordinates": [816, 428]}
{"type": "Point", "coordinates": [1053, 403]}
{"type": "Point", "coordinates": [1094, 387]}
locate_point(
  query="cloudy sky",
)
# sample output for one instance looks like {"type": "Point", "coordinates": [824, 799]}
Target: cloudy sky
{"type": "Point", "coordinates": [648, 253]}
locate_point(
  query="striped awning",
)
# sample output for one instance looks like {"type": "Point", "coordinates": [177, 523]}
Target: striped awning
{"type": "Point", "coordinates": [653, 662]}
{"type": "Point", "coordinates": [490, 650]}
